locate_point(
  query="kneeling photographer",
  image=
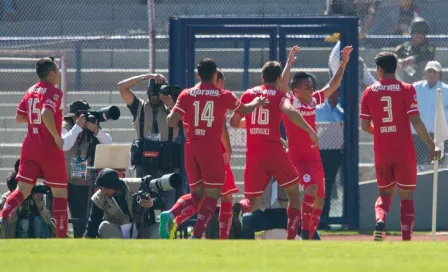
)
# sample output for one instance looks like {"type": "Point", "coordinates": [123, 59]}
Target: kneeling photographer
{"type": "Point", "coordinates": [154, 152]}
{"type": "Point", "coordinates": [118, 213]}
{"type": "Point", "coordinates": [31, 219]}
{"type": "Point", "coordinates": [81, 133]}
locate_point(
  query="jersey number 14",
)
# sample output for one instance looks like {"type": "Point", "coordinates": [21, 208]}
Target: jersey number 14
{"type": "Point", "coordinates": [206, 115]}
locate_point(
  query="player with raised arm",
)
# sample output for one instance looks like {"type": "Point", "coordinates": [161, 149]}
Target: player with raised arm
{"type": "Point", "coordinates": [387, 107]}
{"type": "Point", "coordinates": [229, 187]}
{"type": "Point", "coordinates": [204, 108]}
{"type": "Point", "coordinates": [42, 153]}
{"type": "Point", "coordinates": [265, 155]}
{"type": "Point", "coordinates": [305, 158]}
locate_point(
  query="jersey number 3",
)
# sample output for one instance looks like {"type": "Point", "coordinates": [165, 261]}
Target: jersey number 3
{"type": "Point", "coordinates": [206, 114]}
{"type": "Point", "coordinates": [34, 114]}
{"type": "Point", "coordinates": [387, 109]}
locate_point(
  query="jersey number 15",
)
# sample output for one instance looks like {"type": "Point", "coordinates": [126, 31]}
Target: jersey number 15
{"type": "Point", "coordinates": [34, 114]}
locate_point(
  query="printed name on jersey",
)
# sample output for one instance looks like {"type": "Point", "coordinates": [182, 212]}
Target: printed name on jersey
{"type": "Point", "coordinates": [392, 87]}
{"type": "Point", "coordinates": [264, 91]}
{"type": "Point", "coordinates": [37, 90]}
{"type": "Point", "coordinates": [259, 131]}
{"type": "Point", "coordinates": [196, 92]}
{"type": "Point", "coordinates": [199, 132]}
{"type": "Point", "coordinates": [388, 129]}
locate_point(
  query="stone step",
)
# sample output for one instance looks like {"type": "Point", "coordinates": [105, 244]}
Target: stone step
{"type": "Point", "coordinates": [21, 80]}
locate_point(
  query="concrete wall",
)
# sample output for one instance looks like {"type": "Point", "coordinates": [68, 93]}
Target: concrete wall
{"type": "Point", "coordinates": [368, 194]}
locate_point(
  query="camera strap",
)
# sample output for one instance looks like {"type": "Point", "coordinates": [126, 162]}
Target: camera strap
{"type": "Point", "coordinates": [142, 121]}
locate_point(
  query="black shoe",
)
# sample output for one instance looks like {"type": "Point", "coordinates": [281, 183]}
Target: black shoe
{"type": "Point", "coordinates": [379, 234]}
{"type": "Point", "coordinates": [236, 230]}
{"type": "Point", "coordinates": [305, 235]}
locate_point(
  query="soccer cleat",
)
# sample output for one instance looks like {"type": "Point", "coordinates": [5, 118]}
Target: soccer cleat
{"type": "Point", "coordinates": [167, 225]}
{"type": "Point", "coordinates": [305, 235]}
{"type": "Point", "coordinates": [379, 234]}
{"type": "Point", "coordinates": [194, 238]}
{"type": "Point", "coordinates": [237, 220]}
{"type": "Point", "coordinates": [2, 228]}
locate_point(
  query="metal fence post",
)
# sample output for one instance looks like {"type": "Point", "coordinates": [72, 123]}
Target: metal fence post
{"type": "Point", "coordinates": [246, 64]}
{"type": "Point", "coordinates": [78, 60]}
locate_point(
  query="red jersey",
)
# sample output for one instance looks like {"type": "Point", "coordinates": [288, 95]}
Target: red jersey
{"type": "Point", "coordinates": [204, 107]}
{"type": "Point", "coordinates": [38, 140]}
{"type": "Point", "coordinates": [389, 104]}
{"type": "Point", "coordinates": [299, 141]}
{"type": "Point", "coordinates": [263, 124]}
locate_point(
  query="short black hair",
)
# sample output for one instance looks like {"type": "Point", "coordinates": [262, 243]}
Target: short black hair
{"type": "Point", "coordinates": [299, 76]}
{"type": "Point", "coordinates": [206, 69]}
{"type": "Point", "coordinates": [45, 66]}
{"type": "Point", "coordinates": [386, 61]}
{"type": "Point", "coordinates": [220, 74]}
{"type": "Point", "coordinates": [271, 71]}
{"type": "Point", "coordinates": [11, 181]}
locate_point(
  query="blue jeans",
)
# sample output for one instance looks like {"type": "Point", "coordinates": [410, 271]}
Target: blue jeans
{"type": "Point", "coordinates": [40, 228]}
{"type": "Point", "coordinates": [266, 220]}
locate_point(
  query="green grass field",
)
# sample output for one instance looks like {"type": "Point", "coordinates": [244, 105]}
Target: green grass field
{"type": "Point", "coordinates": [187, 255]}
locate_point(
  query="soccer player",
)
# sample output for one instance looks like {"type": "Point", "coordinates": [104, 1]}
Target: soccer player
{"type": "Point", "coordinates": [229, 187]}
{"type": "Point", "coordinates": [265, 155]}
{"type": "Point", "coordinates": [204, 108]}
{"type": "Point", "coordinates": [305, 158]}
{"type": "Point", "coordinates": [386, 109]}
{"type": "Point", "coordinates": [42, 153]}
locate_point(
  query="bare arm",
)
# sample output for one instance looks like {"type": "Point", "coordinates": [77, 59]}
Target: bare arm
{"type": "Point", "coordinates": [21, 119]}
{"type": "Point", "coordinates": [225, 138]}
{"type": "Point", "coordinates": [367, 126]}
{"type": "Point", "coordinates": [48, 118]}
{"type": "Point", "coordinates": [173, 119]}
{"type": "Point", "coordinates": [420, 128]}
{"type": "Point", "coordinates": [125, 85]}
{"type": "Point", "coordinates": [245, 109]}
{"type": "Point", "coordinates": [336, 80]}
{"type": "Point", "coordinates": [236, 121]}
{"type": "Point", "coordinates": [286, 74]}
{"type": "Point", "coordinates": [298, 120]}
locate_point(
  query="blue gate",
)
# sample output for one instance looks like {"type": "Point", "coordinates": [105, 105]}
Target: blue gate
{"type": "Point", "coordinates": [275, 32]}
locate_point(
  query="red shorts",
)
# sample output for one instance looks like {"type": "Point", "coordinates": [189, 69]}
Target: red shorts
{"type": "Point", "coordinates": [52, 168]}
{"type": "Point", "coordinates": [403, 173]}
{"type": "Point", "coordinates": [311, 172]}
{"type": "Point", "coordinates": [229, 185]}
{"type": "Point", "coordinates": [259, 169]}
{"type": "Point", "coordinates": [204, 164]}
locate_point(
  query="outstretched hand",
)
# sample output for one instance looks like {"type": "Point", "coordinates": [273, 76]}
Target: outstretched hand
{"type": "Point", "coordinates": [345, 53]}
{"type": "Point", "coordinates": [292, 54]}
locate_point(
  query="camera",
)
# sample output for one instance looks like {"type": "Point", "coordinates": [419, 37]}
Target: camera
{"type": "Point", "coordinates": [40, 189]}
{"type": "Point", "coordinates": [165, 183]}
{"type": "Point", "coordinates": [157, 89]}
{"type": "Point", "coordinates": [102, 115]}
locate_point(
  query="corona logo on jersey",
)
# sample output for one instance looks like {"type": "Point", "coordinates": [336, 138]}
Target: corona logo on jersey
{"type": "Point", "coordinates": [196, 92]}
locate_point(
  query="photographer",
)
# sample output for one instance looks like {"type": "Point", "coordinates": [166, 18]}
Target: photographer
{"type": "Point", "coordinates": [31, 219]}
{"type": "Point", "coordinates": [114, 209]}
{"type": "Point", "coordinates": [80, 139]}
{"type": "Point", "coordinates": [154, 152]}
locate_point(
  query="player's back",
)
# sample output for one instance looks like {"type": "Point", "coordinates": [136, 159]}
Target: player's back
{"type": "Point", "coordinates": [39, 96]}
{"type": "Point", "coordinates": [263, 124]}
{"type": "Point", "coordinates": [389, 103]}
{"type": "Point", "coordinates": [205, 107]}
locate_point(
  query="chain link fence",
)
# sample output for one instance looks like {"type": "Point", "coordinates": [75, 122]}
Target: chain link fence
{"type": "Point", "coordinates": [106, 41]}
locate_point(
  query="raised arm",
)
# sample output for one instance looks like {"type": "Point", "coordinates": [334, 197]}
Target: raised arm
{"type": "Point", "coordinates": [336, 80]}
{"type": "Point", "coordinates": [245, 109]}
{"type": "Point", "coordinates": [286, 74]}
{"type": "Point", "coordinates": [126, 85]}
